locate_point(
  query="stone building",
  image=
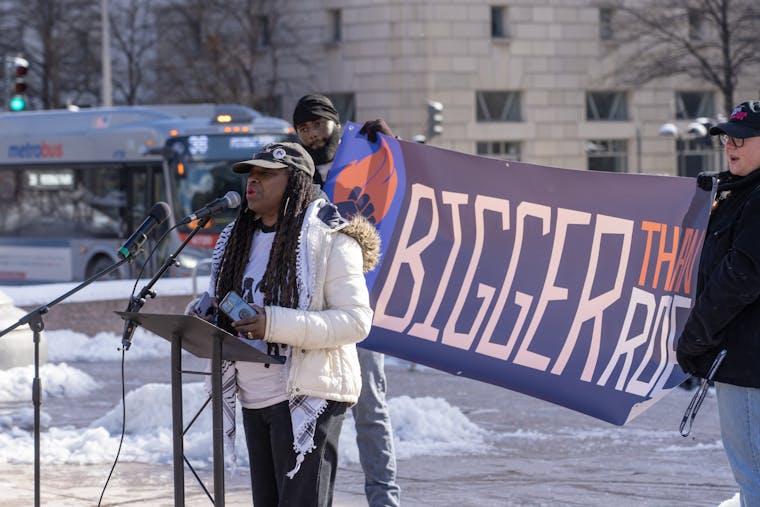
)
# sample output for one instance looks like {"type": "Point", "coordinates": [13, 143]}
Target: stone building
{"type": "Point", "coordinates": [533, 80]}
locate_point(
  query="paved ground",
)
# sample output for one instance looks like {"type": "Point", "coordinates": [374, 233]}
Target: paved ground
{"type": "Point", "coordinates": [540, 454]}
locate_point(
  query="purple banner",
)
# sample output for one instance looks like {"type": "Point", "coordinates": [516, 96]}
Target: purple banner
{"type": "Point", "coordinates": [569, 286]}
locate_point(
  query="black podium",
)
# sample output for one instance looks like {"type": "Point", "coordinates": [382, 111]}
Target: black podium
{"type": "Point", "coordinates": [207, 341]}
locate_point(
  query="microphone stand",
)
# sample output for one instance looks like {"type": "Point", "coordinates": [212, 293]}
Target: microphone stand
{"type": "Point", "coordinates": [137, 302]}
{"type": "Point", "coordinates": [34, 319]}
{"type": "Point", "coordinates": [135, 305]}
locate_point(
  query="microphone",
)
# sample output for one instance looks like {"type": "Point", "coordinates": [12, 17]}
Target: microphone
{"type": "Point", "coordinates": [158, 213]}
{"type": "Point", "coordinates": [230, 200]}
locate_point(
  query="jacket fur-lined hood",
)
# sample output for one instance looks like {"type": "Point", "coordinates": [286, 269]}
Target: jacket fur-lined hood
{"type": "Point", "coordinates": [358, 228]}
{"type": "Point", "coordinates": [368, 238]}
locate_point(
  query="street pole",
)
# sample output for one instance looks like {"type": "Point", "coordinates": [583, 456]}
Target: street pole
{"type": "Point", "coordinates": [106, 91]}
{"type": "Point", "coordinates": [638, 148]}
{"type": "Point", "coordinates": [7, 82]}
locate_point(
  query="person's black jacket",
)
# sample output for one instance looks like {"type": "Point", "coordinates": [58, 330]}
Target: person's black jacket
{"type": "Point", "coordinates": [726, 311]}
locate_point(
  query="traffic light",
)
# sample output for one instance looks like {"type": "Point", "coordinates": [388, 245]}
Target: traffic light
{"type": "Point", "coordinates": [435, 119]}
{"type": "Point", "coordinates": [18, 101]}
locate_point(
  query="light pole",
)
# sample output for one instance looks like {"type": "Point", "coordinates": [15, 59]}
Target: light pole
{"type": "Point", "coordinates": [106, 55]}
{"type": "Point", "coordinates": [7, 84]}
{"type": "Point", "coordinates": [638, 148]}
{"type": "Point", "coordinates": [695, 132]}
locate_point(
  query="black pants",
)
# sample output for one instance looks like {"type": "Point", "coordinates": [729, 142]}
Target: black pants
{"type": "Point", "coordinates": [269, 435]}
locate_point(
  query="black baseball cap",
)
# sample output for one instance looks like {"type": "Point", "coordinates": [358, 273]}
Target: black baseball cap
{"type": "Point", "coordinates": [743, 122]}
{"type": "Point", "coordinates": [279, 156]}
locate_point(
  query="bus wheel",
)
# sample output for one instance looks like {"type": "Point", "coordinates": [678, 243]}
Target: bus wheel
{"type": "Point", "coordinates": [98, 264]}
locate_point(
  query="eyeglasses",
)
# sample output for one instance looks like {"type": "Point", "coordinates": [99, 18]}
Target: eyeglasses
{"type": "Point", "coordinates": [738, 142]}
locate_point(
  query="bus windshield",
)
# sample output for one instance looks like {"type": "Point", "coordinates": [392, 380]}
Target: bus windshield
{"type": "Point", "coordinates": [201, 183]}
{"type": "Point", "coordinates": [201, 169]}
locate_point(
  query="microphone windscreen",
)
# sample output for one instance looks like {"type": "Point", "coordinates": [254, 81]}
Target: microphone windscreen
{"type": "Point", "coordinates": [233, 199]}
{"type": "Point", "coordinates": [160, 211]}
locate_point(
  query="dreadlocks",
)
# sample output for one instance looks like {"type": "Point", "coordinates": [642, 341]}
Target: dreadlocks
{"type": "Point", "coordinates": [280, 285]}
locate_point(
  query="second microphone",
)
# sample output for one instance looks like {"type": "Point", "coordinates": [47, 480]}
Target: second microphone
{"type": "Point", "coordinates": [230, 200]}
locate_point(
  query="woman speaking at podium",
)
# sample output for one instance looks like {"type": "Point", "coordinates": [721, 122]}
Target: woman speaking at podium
{"type": "Point", "coordinates": [301, 267]}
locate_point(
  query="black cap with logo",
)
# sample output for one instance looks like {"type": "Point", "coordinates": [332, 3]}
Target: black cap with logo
{"type": "Point", "coordinates": [279, 156]}
{"type": "Point", "coordinates": [743, 122]}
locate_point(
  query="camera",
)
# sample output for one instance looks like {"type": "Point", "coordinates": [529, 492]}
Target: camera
{"type": "Point", "coordinates": [235, 307]}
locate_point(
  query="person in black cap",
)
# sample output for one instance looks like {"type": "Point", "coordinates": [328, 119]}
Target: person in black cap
{"type": "Point", "coordinates": [726, 311]}
{"type": "Point", "coordinates": [301, 267]}
{"type": "Point", "coordinates": [318, 128]}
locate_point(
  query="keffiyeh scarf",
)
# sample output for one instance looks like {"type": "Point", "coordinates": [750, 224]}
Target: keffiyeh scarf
{"type": "Point", "coordinates": [304, 410]}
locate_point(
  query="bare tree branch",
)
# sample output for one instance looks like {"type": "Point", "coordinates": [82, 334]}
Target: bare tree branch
{"type": "Point", "coordinates": [133, 39]}
{"type": "Point", "coordinates": [711, 40]}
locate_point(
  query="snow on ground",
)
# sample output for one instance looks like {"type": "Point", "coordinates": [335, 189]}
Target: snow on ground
{"type": "Point", "coordinates": [29, 295]}
{"type": "Point", "coordinates": [422, 425]}
{"type": "Point", "coordinates": [417, 425]}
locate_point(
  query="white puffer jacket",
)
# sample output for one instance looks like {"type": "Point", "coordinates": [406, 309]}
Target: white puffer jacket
{"type": "Point", "coordinates": [334, 312]}
{"type": "Point", "coordinates": [333, 257]}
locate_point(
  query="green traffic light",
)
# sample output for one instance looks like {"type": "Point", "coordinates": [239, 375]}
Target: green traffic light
{"type": "Point", "coordinates": [17, 103]}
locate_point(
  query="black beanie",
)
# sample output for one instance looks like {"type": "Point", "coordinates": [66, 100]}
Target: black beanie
{"type": "Point", "coordinates": [312, 107]}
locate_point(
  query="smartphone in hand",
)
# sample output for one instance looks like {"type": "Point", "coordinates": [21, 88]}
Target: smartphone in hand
{"type": "Point", "coordinates": [235, 307]}
{"type": "Point", "coordinates": [204, 307]}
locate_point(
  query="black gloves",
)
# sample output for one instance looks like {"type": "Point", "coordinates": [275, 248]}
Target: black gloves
{"type": "Point", "coordinates": [705, 180]}
{"type": "Point", "coordinates": [374, 127]}
{"type": "Point", "coordinates": [686, 362]}
{"type": "Point", "coordinates": [693, 354]}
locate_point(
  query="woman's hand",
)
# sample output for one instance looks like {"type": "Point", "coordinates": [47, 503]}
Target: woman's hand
{"type": "Point", "coordinates": [254, 327]}
{"type": "Point", "coordinates": [205, 307]}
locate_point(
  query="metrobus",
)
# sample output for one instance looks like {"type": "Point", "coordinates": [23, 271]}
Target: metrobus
{"type": "Point", "coordinates": [75, 184]}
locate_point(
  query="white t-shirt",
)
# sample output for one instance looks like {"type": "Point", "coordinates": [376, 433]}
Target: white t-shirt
{"type": "Point", "coordinates": [324, 169]}
{"type": "Point", "coordinates": [260, 386]}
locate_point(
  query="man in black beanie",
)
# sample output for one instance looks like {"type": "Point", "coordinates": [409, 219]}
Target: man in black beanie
{"type": "Point", "coordinates": [318, 127]}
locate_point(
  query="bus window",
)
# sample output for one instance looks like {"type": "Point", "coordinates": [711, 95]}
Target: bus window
{"type": "Point", "coordinates": [204, 182]}
{"type": "Point", "coordinates": [145, 189]}
{"type": "Point", "coordinates": [7, 185]}
{"type": "Point", "coordinates": [63, 202]}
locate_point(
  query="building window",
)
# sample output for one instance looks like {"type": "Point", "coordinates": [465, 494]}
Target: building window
{"type": "Point", "coordinates": [695, 156]}
{"type": "Point", "coordinates": [335, 25]}
{"type": "Point", "coordinates": [606, 106]}
{"type": "Point", "coordinates": [499, 26]}
{"type": "Point", "coordinates": [508, 150]}
{"type": "Point", "coordinates": [696, 25]}
{"type": "Point", "coordinates": [263, 39]}
{"type": "Point", "coordinates": [690, 105]}
{"type": "Point", "coordinates": [498, 106]}
{"type": "Point", "coordinates": [345, 104]}
{"type": "Point", "coordinates": [609, 155]}
{"type": "Point", "coordinates": [605, 24]}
